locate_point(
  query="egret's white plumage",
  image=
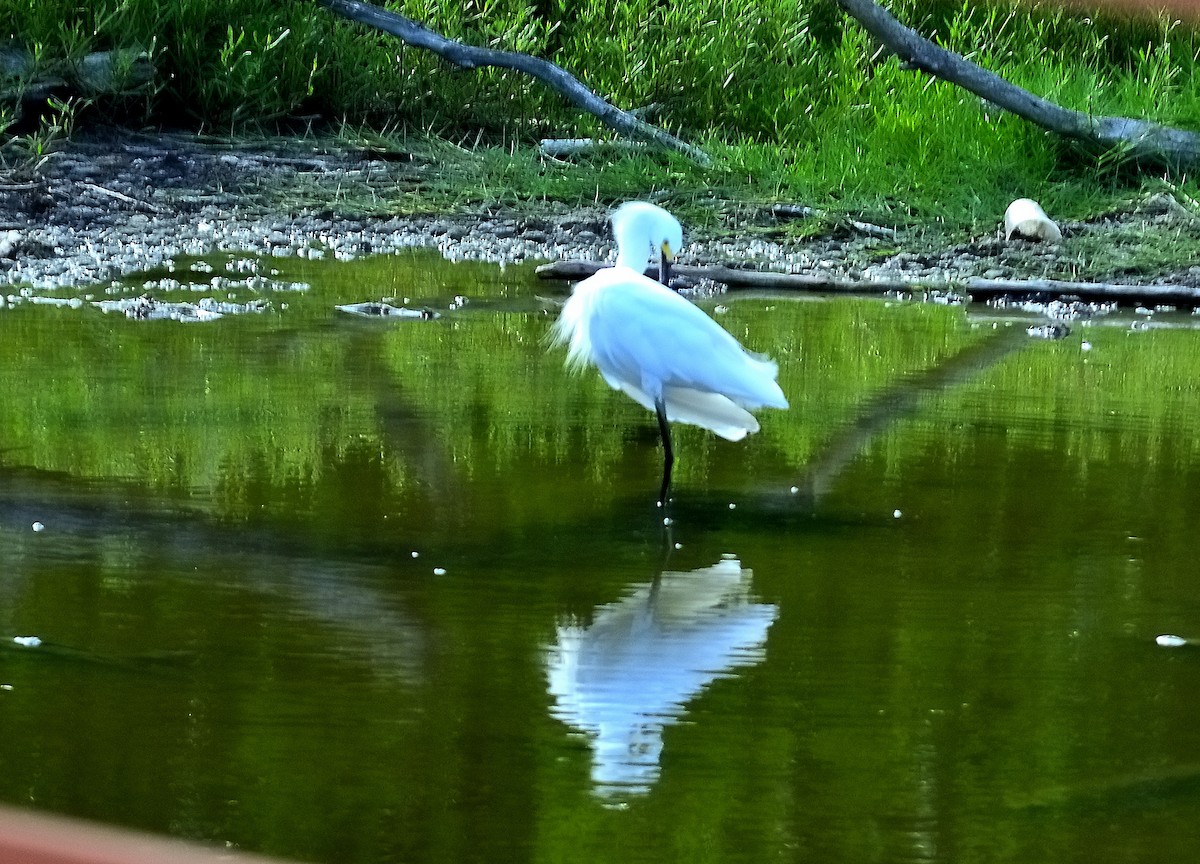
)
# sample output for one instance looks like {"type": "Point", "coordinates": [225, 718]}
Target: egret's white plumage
{"type": "Point", "coordinates": [643, 232]}
{"type": "Point", "coordinates": [657, 347]}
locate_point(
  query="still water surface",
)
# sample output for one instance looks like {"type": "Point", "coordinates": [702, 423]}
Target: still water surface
{"type": "Point", "coordinates": [350, 590]}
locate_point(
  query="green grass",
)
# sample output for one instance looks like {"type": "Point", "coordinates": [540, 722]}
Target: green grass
{"type": "Point", "coordinates": [791, 98]}
{"type": "Point", "coordinates": [956, 190]}
{"type": "Point", "coordinates": [770, 71]}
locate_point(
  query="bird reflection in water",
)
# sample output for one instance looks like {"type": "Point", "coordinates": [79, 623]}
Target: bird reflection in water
{"type": "Point", "coordinates": [628, 674]}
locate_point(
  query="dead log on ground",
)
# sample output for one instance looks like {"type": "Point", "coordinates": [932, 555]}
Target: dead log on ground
{"type": "Point", "coordinates": [98, 74]}
{"type": "Point", "coordinates": [565, 148]}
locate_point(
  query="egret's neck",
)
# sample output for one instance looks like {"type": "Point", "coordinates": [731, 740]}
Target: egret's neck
{"type": "Point", "coordinates": [635, 258]}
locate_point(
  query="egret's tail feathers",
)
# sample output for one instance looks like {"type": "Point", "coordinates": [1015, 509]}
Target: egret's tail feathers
{"type": "Point", "coordinates": [711, 411]}
{"type": "Point", "coordinates": [763, 391]}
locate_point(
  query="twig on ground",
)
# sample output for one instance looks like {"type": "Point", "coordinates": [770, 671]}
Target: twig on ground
{"type": "Point", "coordinates": [120, 196]}
{"type": "Point", "coordinates": [803, 211]}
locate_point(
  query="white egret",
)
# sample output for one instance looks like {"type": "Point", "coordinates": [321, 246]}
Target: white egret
{"type": "Point", "coordinates": [657, 347]}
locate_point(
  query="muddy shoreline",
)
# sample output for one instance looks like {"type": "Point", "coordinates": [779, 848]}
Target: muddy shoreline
{"type": "Point", "coordinates": [112, 203]}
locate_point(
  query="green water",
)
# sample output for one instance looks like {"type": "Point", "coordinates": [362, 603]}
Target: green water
{"type": "Point", "coordinates": [348, 590]}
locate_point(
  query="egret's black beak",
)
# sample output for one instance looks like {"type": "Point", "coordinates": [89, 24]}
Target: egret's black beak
{"type": "Point", "coordinates": [664, 265]}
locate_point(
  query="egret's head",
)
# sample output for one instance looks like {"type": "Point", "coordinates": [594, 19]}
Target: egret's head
{"type": "Point", "coordinates": [645, 232]}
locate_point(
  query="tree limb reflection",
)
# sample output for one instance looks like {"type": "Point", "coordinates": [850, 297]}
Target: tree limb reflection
{"type": "Point", "coordinates": [899, 401]}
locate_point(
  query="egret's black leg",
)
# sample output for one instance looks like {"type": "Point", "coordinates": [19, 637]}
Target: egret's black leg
{"type": "Point", "coordinates": [664, 429]}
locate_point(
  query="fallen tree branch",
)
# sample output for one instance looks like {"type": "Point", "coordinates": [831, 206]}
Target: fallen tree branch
{"type": "Point", "coordinates": [1137, 140]}
{"type": "Point", "coordinates": [554, 77]}
{"type": "Point", "coordinates": [974, 288]}
{"type": "Point", "coordinates": [733, 277]}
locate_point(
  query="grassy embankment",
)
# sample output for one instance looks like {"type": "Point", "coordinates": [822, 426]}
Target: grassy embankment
{"type": "Point", "coordinates": [790, 98]}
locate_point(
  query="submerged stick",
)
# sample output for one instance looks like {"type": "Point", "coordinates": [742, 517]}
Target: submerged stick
{"type": "Point", "coordinates": [1155, 294]}
{"type": "Point", "coordinates": [472, 57]}
{"type": "Point", "coordinates": [975, 287]}
{"type": "Point", "coordinates": [733, 277]}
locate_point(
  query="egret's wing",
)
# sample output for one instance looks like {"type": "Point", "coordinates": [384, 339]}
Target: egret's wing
{"type": "Point", "coordinates": [643, 334]}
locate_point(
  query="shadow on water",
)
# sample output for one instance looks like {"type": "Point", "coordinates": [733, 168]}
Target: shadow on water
{"type": "Point", "coordinates": [631, 671]}
{"type": "Point", "coordinates": [407, 429]}
{"type": "Point", "coordinates": [81, 522]}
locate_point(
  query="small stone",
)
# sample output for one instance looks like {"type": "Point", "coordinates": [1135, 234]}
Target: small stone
{"type": "Point", "coordinates": [10, 241]}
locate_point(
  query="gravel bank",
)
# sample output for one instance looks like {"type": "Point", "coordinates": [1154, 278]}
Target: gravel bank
{"type": "Point", "coordinates": [113, 203]}
{"type": "Point", "coordinates": [110, 204]}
